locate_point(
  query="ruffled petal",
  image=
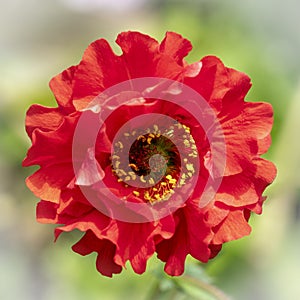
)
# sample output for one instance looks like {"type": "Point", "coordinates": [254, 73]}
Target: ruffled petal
{"type": "Point", "coordinates": [42, 118]}
{"type": "Point", "coordinates": [233, 227]}
{"type": "Point", "coordinates": [46, 212]}
{"type": "Point", "coordinates": [62, 87]}
{"type": "Point", "coordinates": [48, 182]}
{"type": "Point", "coordinates": [99, 69]}
{"type": "Point", "coordinates": [95, 221]}
{"type": "Point", "coordinates": [134, 243]}
{"type": "Point", "coordinates": [139, 53]}
{"type": "Point", "coordinates": [242, 129]}
{"type": "Point", "coordinates": [52, 147]}
{"type": "Point", "coordinates": [214, 81]}
{"type": "Point", "coordinates": [143, 56]}
{"type": "Point", "coordinates": [122, 235]}
{"type": "Point", "coordinates": [175, 46]}
{"type": "Point", "coordinates": [246, 188]}
{"type": "Point", "coordinates": [106, 250]}
{"type": "Point", "coordinates": [188, 239]}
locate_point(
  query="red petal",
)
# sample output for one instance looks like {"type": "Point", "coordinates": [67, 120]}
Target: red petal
{"type": "Point", "coordinates": [48, 182]}
{"type": "Point", "coordinates": [174, 251]}
{"type": "Point", "coordinates": [233, 227]}
{"type": "Point", "coordinates": [212, 81]}
{"type": "Point", "coordinates": [264, 144]}
{"type": "Point", "coordinates": [43, 118]}
{"type": "Point", "coordinates": [239, 84]}
{"type": "Point", "coordinates": [254, 119]}
{"type": "Point", "coordinates": [247, 187]}
{"type": "Point", "coordinates": [129, 247]}
{"type": "Point", "coordinates": [90, 171]}
{"type": "Point", "coordinates": [99, 69]}
{"type": "Point", "coordinates": [123, 235]}
{"type": "Point", "coordinates": [105, 260]}
{"type": "Point", "coordinates": [176, 46]}
{"type": "Point", "coordinates": [139, 52]}
{"type": "Point", "coordinates": [215, 215]}
{"type": "Point", "coordinates": [62, 86]}
{"type": "Point", "coordinates": [53, 147]}
{"type": "Point", "coordinates": [165, 228]}
{"type": "Point", "coordinates": [242, 130]}
{"type": "Point", "coordinates": [215, 249]}
{"type": "Point", "coordinates": [46, 212]}
{"type": "Point", "coordinates": [192, 236]}
{"type": "Point", "coordinates": [106, 250]}
{"type": "Point", "coordinates": [215, 80]}
{"type": "Point", "coordinates": [142, 56]}
{"type": "Point", "coordinates": [94, 221]}
{"type": "Point", "coordinates": [73, 205]}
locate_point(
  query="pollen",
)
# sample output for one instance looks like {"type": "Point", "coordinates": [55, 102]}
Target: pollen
{"type": "Point", "coordinates": [136, 193]}
{"type": "Point", "coordinates": [190, 167]}
{"type": "Point", "coordinates": [133, 166]}
{"type": "Point", "coordinates": [132, 175]}
{"type": "Point", "coordinates": [122, 172]}
{"type": "Point", "coordinates": [141, 137]}
{"type": "Point", "coordinates": [151, 181]}
{"type": "Point", "coordinates": [119, 144]}
{"type": "Point", "coordinates": [142, 179]}
{"type": "Point", "coordinates": [186, 143]}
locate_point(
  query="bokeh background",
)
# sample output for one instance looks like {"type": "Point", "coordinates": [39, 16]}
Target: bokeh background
{"type": "Point", "coordinates": [39, 39]}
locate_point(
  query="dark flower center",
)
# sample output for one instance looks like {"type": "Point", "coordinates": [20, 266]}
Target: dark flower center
{"type": "Point", "coordinates": [151, 152]}
{"type": "Point", "coordinates": [154, 159]}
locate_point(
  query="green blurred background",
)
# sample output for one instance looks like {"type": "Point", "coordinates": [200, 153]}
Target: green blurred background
{"type": "Point", "coordinates": [39, 39]}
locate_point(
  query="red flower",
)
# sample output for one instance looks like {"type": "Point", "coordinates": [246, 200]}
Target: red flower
{"type": "Point", "coordinates": [68, 168]}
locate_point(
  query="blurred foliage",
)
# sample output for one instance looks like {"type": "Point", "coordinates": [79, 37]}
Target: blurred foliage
{"type": "Point", "coordinates": [53, 37]}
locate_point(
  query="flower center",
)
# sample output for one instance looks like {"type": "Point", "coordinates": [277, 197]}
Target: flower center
{"type": "Point", "coordinates": [154, 159]}
{"type": "Point", "coordinates": [151, 152]}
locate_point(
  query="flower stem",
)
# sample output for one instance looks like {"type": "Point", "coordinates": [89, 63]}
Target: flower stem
{"type": "Point", "coordinates": [212, 290]}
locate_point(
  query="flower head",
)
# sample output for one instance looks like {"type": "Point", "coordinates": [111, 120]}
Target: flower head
{"type": "Point", "coordinates": [146, 153]}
